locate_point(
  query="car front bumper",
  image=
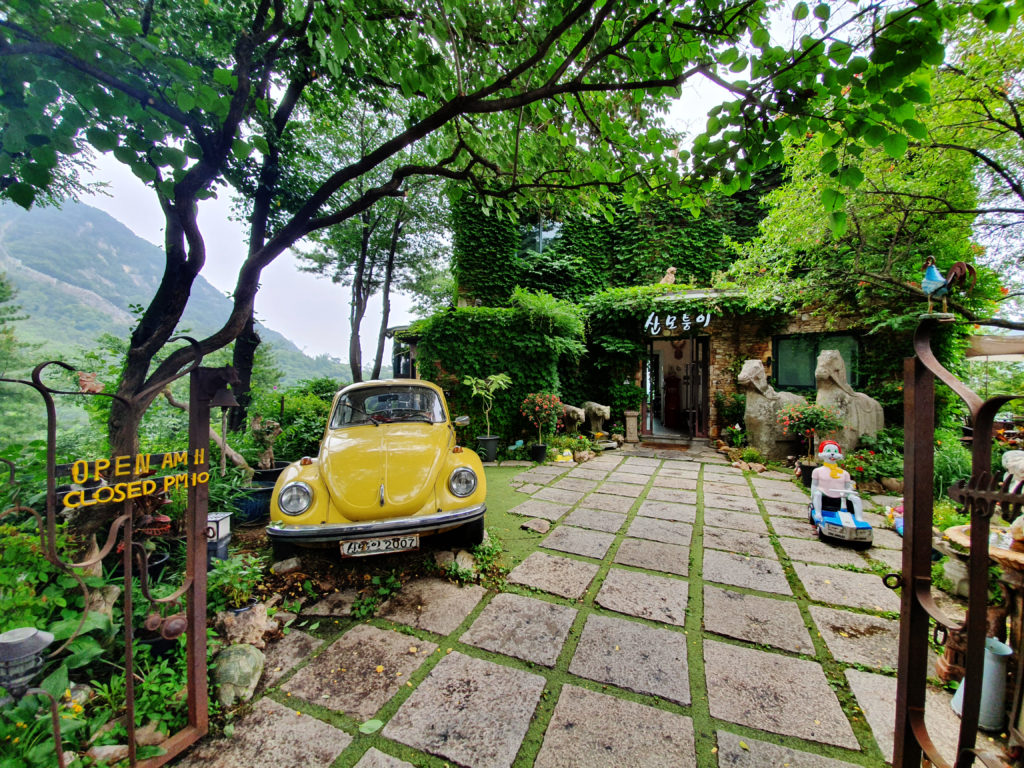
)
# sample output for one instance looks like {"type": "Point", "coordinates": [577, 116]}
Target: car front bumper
{"type": "Point", "coordinates": [396, 526]}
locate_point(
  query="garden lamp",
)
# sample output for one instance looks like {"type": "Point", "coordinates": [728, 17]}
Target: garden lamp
{"type": "Point", "coordinates": [21, 658]}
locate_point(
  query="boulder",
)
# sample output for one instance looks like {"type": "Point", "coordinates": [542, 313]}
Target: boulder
{"type": "Point", "coordinates": [237, 671]}
{"type": "Point", "coordinates": [465, 561]}
{"type": "Point", "coordinates": [109, 753]}
{"type": "Point", "coordinates": [538, 525]}
{"type": "Point", "coordinates": [283, 567]}
{"type": "Point", "coordinates": [246, 626]}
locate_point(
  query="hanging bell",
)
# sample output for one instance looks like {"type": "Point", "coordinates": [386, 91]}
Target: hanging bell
{"type": "Point", "coordinates": [223, 398]}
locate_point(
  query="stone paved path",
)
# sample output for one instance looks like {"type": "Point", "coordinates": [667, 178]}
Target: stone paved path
{"type": "Point", "coordinates": [678, 613]}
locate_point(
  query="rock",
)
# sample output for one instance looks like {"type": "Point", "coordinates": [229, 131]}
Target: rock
{"type": "Point", "coordinates": [284, 618]}
{"type": "Point", "coordinates": [111, 753]}
{"type": "Point", "coordinates": [444, 558]}
{"type": "Point", "coordinates": [465, 561]}
{"type": "Point", "coordinates": [581, 456]}
{"type": "Point", "coordinates": [246, 626]}
{"type": "Point", "coordinates": [618, 438]}
{"type": "Point", "coordinates": [538, 525]}
{"type": "Point", "coordinates": [80, 694]}
{"type": "Point", "coordinates": [759, 468]}
{"type": "Point", "coordinates": [236, 673]}
{"type": "Point", "coordinates": [741, 465]}
{"type": "Point", "coordinates": [893, 484]}
{"type": "Point", "coordinates": [92, 551]}
{"type": "Point", "coordinates": [69, 758]}
{"type": "Point", "coordinates": [282, 567]}
{"type": "Point", "coordinates": [150, 735]}
{"type": "Point", "coordinates": [103, 600]}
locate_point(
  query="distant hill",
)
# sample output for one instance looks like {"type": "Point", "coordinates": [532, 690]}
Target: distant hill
{"type": "Point", "coordinates": [78, 270]}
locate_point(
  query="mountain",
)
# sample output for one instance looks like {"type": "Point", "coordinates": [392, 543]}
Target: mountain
{"type": "Point", "coordinates": [78, 272]}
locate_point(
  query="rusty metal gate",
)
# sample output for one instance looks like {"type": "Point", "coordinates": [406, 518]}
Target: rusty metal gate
{"type": "Point", "coordinates": [207, 386]}
{"type": "Point", "coordinates": [981, 496]}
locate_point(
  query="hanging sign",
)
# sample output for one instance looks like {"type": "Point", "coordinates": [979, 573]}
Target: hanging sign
{"type": "Point", "coordinates": [664, 322]}
{"type": "Point", "coordinates": [122, 466]}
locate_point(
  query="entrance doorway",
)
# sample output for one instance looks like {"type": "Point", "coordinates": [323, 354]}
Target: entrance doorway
{"type": "Point", "coordinates": [676, 383]}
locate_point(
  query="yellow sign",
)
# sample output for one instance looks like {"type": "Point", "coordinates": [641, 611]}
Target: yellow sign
{"type": "Point", "coordinates": [83, 471]}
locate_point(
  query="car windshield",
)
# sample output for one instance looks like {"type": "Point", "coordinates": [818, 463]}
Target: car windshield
{"type": "Point", "coordinates": [383, 405]}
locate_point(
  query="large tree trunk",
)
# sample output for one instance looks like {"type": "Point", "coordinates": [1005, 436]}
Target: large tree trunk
{"type": "Point", "coordinates": [242, 359]}
{"type": "Point", "coordinates": [357, 309]}
{"type": "Point", "coordinates": [389, 271]}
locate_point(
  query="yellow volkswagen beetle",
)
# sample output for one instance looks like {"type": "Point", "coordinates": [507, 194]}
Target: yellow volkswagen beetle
{"type": "Point", "coordinates": [388, 472]}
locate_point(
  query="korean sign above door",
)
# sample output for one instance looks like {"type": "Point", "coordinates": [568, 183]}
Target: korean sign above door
{"type": "Point", "coordinates": [663, 323]}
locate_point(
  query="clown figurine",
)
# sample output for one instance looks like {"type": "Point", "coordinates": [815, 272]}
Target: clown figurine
{"type": "Point", "coordinates": [835, 506]}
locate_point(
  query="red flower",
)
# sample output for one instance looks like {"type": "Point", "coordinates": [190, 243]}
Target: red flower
{"type": "Point", "coordinates": [860, 469]}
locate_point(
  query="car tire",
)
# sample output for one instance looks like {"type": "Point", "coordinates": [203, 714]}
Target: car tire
{"type": "Point", "coordinates": [470, 534]}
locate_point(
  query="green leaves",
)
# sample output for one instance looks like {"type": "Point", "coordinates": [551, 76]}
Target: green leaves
{"type": "Point", "coordinates": [895, 145]}
{"type": "Point", "coordinates": [800, 11]}
{"type": "Point", "coordinates": [832, 199]}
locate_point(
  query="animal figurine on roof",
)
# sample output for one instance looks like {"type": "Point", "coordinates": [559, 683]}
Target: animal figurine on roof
{"type": "Point", "coordinates": [935, 286]}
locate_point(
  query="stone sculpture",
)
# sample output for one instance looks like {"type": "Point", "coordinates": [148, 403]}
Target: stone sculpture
{"type": "Point", "coordinates": [670, 276]}
{"type": "Point", "coordinates": [572, 416]}
{"type": "Point", "coordinates": [1013, 463]}
{"type": "Point", "coordinates": [596, 415]}
{"type": "Point", "coordinates": [861, 414]}
{"type": "Point", "coordinates": [763, 429]}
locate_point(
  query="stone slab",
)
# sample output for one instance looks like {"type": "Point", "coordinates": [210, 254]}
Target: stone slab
{"type": "Point", "coordinates": [284, 655]}
{"type": "Point", "coordinates": [858, 639]}
{"type": "Point", "coordinates": [893, 558]}
{"type": "Point", "coordinates": [779, 491]}
{"type": "Point", "coordinates": [762, 754]}
{"type": "Point", "coordinates": [887, 539]}
{"type": "Point", "coordinates": [345, 676]}
{"type": "Point", "coordinates": [602, 731]}
{"type": "Point", "coordinates": [558, 575]}
{"type": "Point", "coordinates": [823, 552]}
{"type": "Point", "coordinates": [658, 598]}
{"type": "Point", "coordinates": [536, 525]}
{"type": "Point", "coordinates": [774, 474]}
{"type": "Point", "coordinates": [787, 508]}
{"type": "Point", "coordinates": [857, 590]}
{"type": "Point", "coordinates": [621, 489]}
{"type": "Point", "coordinates": [756, 689]}
{"type": "Point", "coordinates": [732, 478]}
{"type": "Point", "coordinates": [673, 495]}
{"type": "Point", "coordinates": [665, 510]}
{"type": "Point", "coordinates": [760, 620]}
{"type": "Point", "coordinates": [735, 503]}
{"type": "Point", "coordinates": [374, 758]}
{"type": "Point", "coordinates": [558, 495]}
{"type": "Point", "coordinates": [620, 476]}
{"type": "Point", "coordinates": [795, 527]}
{"type": "Point", "coordinates": [335, 604]}
{"type": "Point", "coordinates": [586, 473]}
{"type": "Point", "coordinates": [656, 529]}
{"type": "Point", "coordinates": [729, 518]}
{"type": "Point", "coordinates": [596, 520]}
{"type": "Point", "coordinates": [579, 541]}
{"type": "Point", "coordinates": [523, 627]}
{"type": "Point", "coordinates": [640, 464]}
{"type": "Point", "coordinates": [543, 509]}
{"type": "Point", "coordinates": [741, 542]}
{"type": "Point", "coordinates": [608, 502]}
{"type": "Point", "coordinates": [688, 483]}
{"type": "Point", "coordinates": [713, 490]}
{"type": "Point", "coordinates": [575, 484]}
{"type": "Point", "coordinates": [634, 656]}
{"type": "Point", "coordinates": [679, 469]}
{"type": "Point", "coordinates": [298, 740]}
{"type": "Point", "coordinates": [529, 488]}
{"type": "Point", "coordinates": [748, 572]}
{"type": "Point", "coordinates": [470, 711]}
{"type": "Point", "coordinates": [654, 556]}
{"type": "Point", "coordinates": [435, 605]}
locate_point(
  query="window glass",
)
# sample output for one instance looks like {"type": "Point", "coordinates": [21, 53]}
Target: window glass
{"type": "Point", "coordinates": [388, 404]}
{"type": "Point", "coordinates": [797, 356]}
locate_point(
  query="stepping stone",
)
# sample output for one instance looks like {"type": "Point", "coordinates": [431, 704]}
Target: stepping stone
{"type": "Point", "coordinates": [537, 525]}
{"type": "Point", "coordinates": [640, 465]}
{"type": "Point", "coordinates": [774, 693]}
{"type": "Point", "coordinates": [748, 572]}
{"type": "Point", "coordinates": [887, 539]}
{"type": "Point", "coordinates": [634, 656]}
{"type": "Point", "coordinates": [602, 731]}
{"type": "Point", "coordinates": [559, 495]}
{"type": "Point", "coordinates": [882, 500]}
{"type": "Point", "coordinates": [876, 696]}
{"type": "Point", "coordinates": [741, 542]}
{"type": "Point", "coordinates": [878, 522]}
{"type": "Point", "coordinates": [609, 502]}
{"type": "Point", "coordinates": [661, 530]}
{"type": "Point", "coordinates": [632, 478]}
{"type": "Point", "coordinates": [557, 575]}
{"type": "Point", "coordinates": [523, 627]}
{"type": "Point", "coordinates": [575, 484]}
{"type": "Point", "coordinates": [515, 463]}
{"type": "Point", "coordinates": [335, 604]}
{"type": "Point", "coordinates": [579, 541]}
{"type": "Point", "coordinates": [679, 483]}
{"type": "Point", "coordinates": [858, 639]}
{"type": "Point", "coordinates": [539, 475]}
{"type": "Point", "coordinates": [673, 495]}
{"type": "Point", "coordinates": [736, 478]}
{"type": "Point", "coordinates": [787, 509]}
{"type": "Point", "coordinates": [791, 526]}
{"type": "Point", "coordinates": [893, 558]}
{"type": "Point", "coordinates": [823, 552]}
{"type": "Point", "coordinates": [760, 620]}
{"type": "Point", "coordinates": [760, 754]}
{"type": "Point", "coordinates": [714, 490]}
{"type": "Point", "coordinates": [593, 475]}
{"type": "Point", "coordinates": [774, 474]}
{"type": "Point", "coordinates": [736, 503]}
{"type": "Point", "coordinates": [595, 519]}
{"type": "Point", "coordinates": [345, 677]}
{"type": "Point", "coordinates": [777, 491]}
{"type": "Point", "coordinates": [435, 605]}
{"type": "Point", "coordinates": [529, 488]}
{"type": "Point", "coordinates": [534, 508]}
{"type": "Point", "coordinates": [374, 758]}
{"type": "Point", "coordinates": [284, 655]}
{"type": "Point", "coordinates": [469, 711]}
{"type": "Point", "coordinates": [654, 556]}
{"type": "Point", "coordinates": [728, 518]}
{"type": "Point", "coordinates": [665, 510]}
{"type": "Point", "coordinates": [658, 598]}
{"type": "Point", "coordinates": [297, 739]}
{"type": "Point", "coordinates": [679, 469]}
{"type": "Point", "coordinates": [857, 590]}
{"type": "Point", "coordinates": [622, 489]}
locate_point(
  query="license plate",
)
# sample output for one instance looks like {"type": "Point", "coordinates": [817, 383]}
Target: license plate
{"type": "Point", "coordinates": [380, 546]}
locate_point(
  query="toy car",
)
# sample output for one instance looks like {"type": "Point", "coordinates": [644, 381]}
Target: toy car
{"type": "Point", "coordinates": [388, 472]}
{"type": "Point", "coordinates": [842, 523]}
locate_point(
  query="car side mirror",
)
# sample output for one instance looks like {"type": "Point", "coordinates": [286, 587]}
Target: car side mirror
{"type": "Point", "coordinates": [462, 421]}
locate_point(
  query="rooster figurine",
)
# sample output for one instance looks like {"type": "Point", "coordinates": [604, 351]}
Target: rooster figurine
{"type": "Point", "coordinates": [935, 286]}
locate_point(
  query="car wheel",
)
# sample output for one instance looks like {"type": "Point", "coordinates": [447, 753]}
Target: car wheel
{"type": "Point", "coordinates": [470, 534]}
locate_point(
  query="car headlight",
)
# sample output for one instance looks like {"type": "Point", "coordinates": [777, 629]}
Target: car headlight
{"type": "Point", "coordinates": [462, 482]}
{"type": "Point", "coordinates": [295, 498]}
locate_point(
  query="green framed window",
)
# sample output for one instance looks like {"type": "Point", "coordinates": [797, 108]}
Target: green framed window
{"type": "Point", "coordinates": [796, 357]}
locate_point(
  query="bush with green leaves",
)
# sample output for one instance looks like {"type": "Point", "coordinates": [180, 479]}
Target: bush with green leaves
{"type": "Point", "coordinates": [232, 583]}
{"type": "Point", "coordinates": [485, 389]}
{"type": "Point", "coordinates": [26, 731]}
{"type": "Point", "coordinates": [302, 413]}
{"type": "Point", "coordinates": [622, 398]}
{"type": "Point", "coordinates": [952, 462]}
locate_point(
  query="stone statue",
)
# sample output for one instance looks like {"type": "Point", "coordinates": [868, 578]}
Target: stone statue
{"type": "Point", "coordinates": [596, 414]}
{"type": "Point", "coordinates": [861, 415]}
{"type": "Point", "coordinates": [670, 276]}
{"type": "Point", "coordinates": [763, 429]}
{"type": "Point", "coordinates": [572, 416]}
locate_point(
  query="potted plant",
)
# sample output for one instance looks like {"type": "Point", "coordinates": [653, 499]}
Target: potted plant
{"type": "Point", "coordinates": [543, 410]}
{"type": "Point", "coordinates": [808, 421]}
{"type": "Point", "coordinates": [485, 390]}
{"type": "Point", "coordinates": [231, 584]}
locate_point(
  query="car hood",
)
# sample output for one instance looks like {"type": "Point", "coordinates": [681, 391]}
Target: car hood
{"type": "Point", "coordinates": [394, 463]}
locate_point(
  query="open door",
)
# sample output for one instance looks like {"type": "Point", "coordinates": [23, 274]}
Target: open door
{"type": "Point", "coordinates": [694, 388]}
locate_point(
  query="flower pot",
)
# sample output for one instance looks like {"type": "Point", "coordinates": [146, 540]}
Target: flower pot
{"type": "Point", "coordinates": [538, 452]}
{"type": "Point", "coordinates": [268, 476]}
{"type": "Point", "coordinates": [488, 446]}
{"type": "Point", "coordinates": [252, 506]}
{"type": "Point", "coordinates": [805, 473]}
